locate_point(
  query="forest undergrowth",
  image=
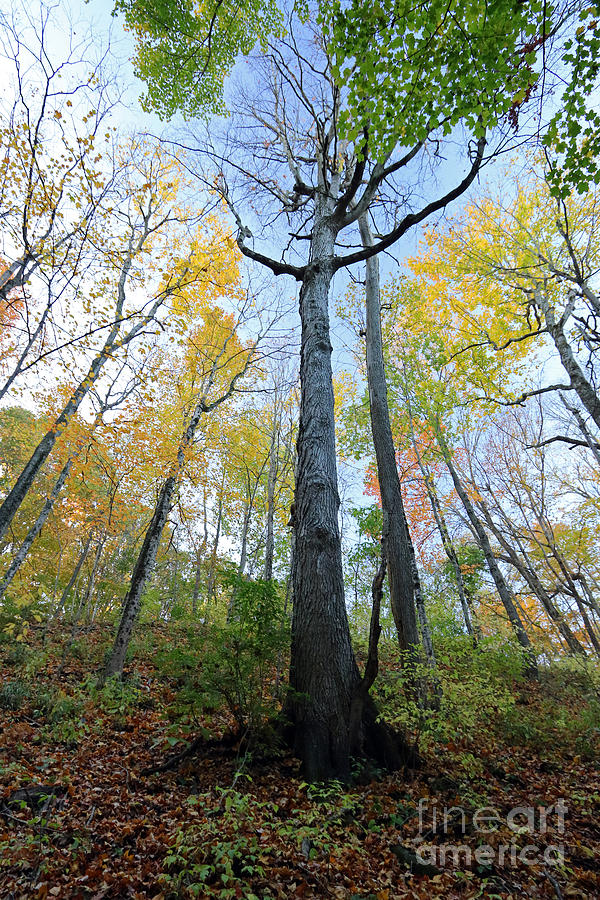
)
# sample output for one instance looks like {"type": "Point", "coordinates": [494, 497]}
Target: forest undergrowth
{"type": "Point", "coordinates": [504, 803]}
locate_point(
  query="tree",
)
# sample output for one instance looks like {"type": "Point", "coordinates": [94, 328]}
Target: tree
{"type": "Point", "coordinates": [147, 213]}
{"type": "Point", "coordinates": [397, 546]}
{"type": "Point", "coordinates": [56, 179]}
{"type": "Point", "coordinates": [109, 402]}
{"type": "Point", "coordinates": [532, 259]}
{"type": "Point", "coordinates": [440, 521]}
{"type": "Point", "coordinates": [331, 197]}
{"type": "Point", "coordinates": [504, 591]}
{"type": "Point", "coordinates": [213, 365]}
{"type": "Point", "coordinates": [332, 179]}
{"type": "Point", "coordinates": [184, 51]}
{"type": "Point", "coordinates": [433, 384]}
{"type": "Point", "coordinates": [520, 503]}
{"type": "Point", "coordinates": [573, 131]}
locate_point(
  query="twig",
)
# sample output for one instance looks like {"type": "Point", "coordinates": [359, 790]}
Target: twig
{"type": "Point", "coordinates": [555, 885]}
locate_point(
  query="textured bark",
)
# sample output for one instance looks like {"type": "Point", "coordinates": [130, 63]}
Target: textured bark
{"type": "Point", "coordinates": [143, 568]}
{"type": "Point", "coordinates": [323, 671]}
{"type": "Point", "coordinates": [402, 567]}
{"type": "Point", "coordinates": [372, 664]}
{"type": "Point", "coordinates": [504, 592]}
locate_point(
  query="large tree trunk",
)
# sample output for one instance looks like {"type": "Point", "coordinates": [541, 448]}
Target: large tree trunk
{"type": "Point", "coordinates": [504, 592]}
{"type": "Point", "coordinates": [403, 576]}
{"type": "Point", "coordinates": [323, 671]}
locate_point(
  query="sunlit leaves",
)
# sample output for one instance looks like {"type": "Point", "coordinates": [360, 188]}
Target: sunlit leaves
{"type": "Point", "coordinates": [185, 49]}
{"type": "Point", "coordinates": [574, 133]}
{"type": "Point", "coordinates": [411, 69]}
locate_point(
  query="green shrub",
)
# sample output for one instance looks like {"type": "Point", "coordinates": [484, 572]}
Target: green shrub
{"type": "Point", "coordinates": [222, 850]}
{"type": "Point", "coordinates": [233, 664]}
{"type": "Point", "coordinates": [13, 695]}
{"type": "Point", "coordinates": [476, 690]}
{"type": "Point", "coordinates": [116, 697]}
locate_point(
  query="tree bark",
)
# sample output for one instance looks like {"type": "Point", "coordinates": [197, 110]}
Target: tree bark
{"type": "Point", "coordinates": [323, 671]}
{"type": "Point", "coordinates": [401, 561]}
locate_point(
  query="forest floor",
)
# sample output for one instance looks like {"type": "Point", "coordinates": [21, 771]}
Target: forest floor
{"type": "Point", "coordinates": [80, 819]}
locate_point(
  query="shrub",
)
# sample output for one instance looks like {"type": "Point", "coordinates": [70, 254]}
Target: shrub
{"type": "Point", "coordinates": [13, 694]}
{"type": "Point", "coordinates": [476, 685]}
{"type": "Point", "coordinates": [218, 851]}
{"type": "Point", "coordinates": [234, 663]}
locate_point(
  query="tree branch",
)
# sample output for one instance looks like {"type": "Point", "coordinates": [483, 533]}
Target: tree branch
{"type": "Point", "coordinates": [414, 218]}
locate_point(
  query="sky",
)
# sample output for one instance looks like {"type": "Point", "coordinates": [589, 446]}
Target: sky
{"type": "Point", "coordinates": [93, 22]}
